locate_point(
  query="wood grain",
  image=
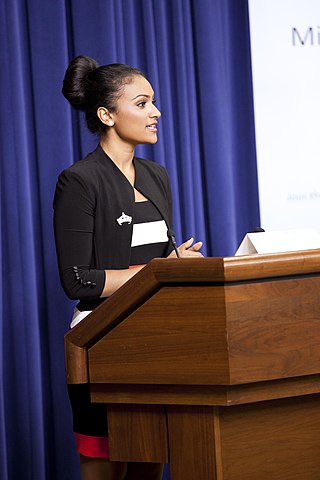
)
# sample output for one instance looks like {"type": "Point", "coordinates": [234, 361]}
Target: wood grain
{"type": "Point", "coordinates": [177, 273]}
{"type": "Point", "coordinates": [191, 439]}
{"type": "Point", "coordinates": [178, 336]}
{"type": "Point", "coordinates": [219, 395]}
{"type": "Point", "coordinates": [215, 335]}
{"type": "Point", "coordinates": [221, 356]}
{"type": "Point", "coordinates": [273, 329]}
{"type": "Point", "coordinates": [138, 433]}
{"type": "Point", "coordinates": [278, 440]}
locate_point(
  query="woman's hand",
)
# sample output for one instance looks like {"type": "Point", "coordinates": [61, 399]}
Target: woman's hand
{"type": "Point", "coordinates": [188, 249]}
{"type": "Point", "coordinates": [116, 278]}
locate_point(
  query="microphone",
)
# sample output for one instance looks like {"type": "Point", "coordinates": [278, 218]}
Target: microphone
{"type": "Point", "coordinates": [173, 241]}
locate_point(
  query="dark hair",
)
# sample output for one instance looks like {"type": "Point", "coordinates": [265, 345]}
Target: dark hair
{"type": "Point", "coordinates": [87, 87]}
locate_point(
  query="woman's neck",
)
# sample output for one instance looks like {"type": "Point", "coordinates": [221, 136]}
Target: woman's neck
{"type": "Point", "coordinates": [122, 157]}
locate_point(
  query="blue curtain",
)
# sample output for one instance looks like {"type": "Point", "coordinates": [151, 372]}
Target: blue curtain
{"type": "Point", "coordinates": [196, 54]}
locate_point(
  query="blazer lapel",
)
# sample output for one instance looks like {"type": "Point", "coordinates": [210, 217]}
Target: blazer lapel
{"type": "Point", "coordinates": [151, 191]}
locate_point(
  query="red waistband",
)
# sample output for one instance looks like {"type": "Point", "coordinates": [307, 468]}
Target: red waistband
{"type": "Point", "coordinates": [91, 446]}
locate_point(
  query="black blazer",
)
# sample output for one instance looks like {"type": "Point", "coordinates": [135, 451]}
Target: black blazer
{"type": "Point", "coordinates": [90, 196]}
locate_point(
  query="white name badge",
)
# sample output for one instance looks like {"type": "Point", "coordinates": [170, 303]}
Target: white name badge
{"type": "Point", "coordinates": [279, 241]}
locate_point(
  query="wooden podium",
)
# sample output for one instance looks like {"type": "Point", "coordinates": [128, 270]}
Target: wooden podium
{"type": "Point", "coordinates": [211, 364]}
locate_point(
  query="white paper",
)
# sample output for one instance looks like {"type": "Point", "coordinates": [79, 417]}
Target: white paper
{"type": "Point", "coordinates": [279, 241]}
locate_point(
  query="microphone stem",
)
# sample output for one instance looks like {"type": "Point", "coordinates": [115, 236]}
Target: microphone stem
{"type": "Point", "coordinates": [176, 250]}
{"type": "Point", "coordinates": [173, 241]}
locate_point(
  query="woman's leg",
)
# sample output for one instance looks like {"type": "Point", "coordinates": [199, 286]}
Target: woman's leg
{"type": "Point", "coordinates": [144, 471]}
{"type": "Point", "coordinates": [101, 469]}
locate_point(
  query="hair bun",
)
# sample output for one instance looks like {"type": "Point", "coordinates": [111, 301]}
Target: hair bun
{"type": "Point", "coordinates": [74, 83]}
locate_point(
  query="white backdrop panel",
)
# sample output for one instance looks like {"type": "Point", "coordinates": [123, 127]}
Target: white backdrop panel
{"type": "Point", "coordinates": [285, 46]}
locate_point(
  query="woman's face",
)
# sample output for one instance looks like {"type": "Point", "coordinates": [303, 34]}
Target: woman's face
{"type": "Point", "coordinates": [135, 121]}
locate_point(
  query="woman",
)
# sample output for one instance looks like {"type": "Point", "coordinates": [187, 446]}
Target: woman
{"type": "Point", "coordinates": [112, 213]}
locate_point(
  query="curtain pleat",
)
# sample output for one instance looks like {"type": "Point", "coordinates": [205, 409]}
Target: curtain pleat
{"type": "Point", "coordinates": [197, 57]}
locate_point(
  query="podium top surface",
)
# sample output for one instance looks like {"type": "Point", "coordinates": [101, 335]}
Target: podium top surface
{"type": "Point", "coordinates": [175, 271]}
{"type": "Point", "coordinates": [220, 292]}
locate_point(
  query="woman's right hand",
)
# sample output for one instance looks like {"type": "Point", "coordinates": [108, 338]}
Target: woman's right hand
{"type": "Point", "coordinates": [188, 249]}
